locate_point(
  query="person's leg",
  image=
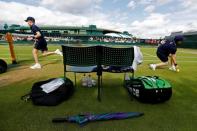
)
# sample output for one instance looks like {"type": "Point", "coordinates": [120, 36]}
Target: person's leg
{"type": "Point", "coordinates": [161, 65]}
{"type": "Point", "coordinates": [35, 55]}
{"type": "Point", "coordinates": [158, 65]}
{"type": "Point", "coordinates": [171, 61]}
{"type": "Point", "coordinates": [172, 67]}
{"type": "Point", "coordinates": [46, 53]}
{"type": "Point", "coordinates": [164, 62]}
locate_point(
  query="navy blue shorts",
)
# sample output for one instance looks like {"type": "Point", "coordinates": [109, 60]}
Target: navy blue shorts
{"type": "Point", "coordinates": [41, 45]}
{"type": "Point", "coordinates": [162, 57]}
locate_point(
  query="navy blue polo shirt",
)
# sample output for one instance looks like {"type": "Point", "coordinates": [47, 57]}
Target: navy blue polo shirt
{"type": "Point", "coordinates": [35, 29]}
{"type": "Point", "coordinates": [168, 48]}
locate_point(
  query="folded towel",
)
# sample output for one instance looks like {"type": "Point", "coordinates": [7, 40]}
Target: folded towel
{"type": "Point", "coordinates": [52, 85]}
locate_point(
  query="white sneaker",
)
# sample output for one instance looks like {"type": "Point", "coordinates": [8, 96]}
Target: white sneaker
{"type": "Point", "coordinates": [58, 52]}
{"type": "Point", "coordinates": [36, 66]}
{"type": "Point", "coordinates": [152, 66]}
{"type": "Point", "coordinates": [172, 68]}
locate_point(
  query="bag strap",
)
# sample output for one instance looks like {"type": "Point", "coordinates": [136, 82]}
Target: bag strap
{"type": "Point", "coordinates": [150, 80]}
{"type": "Point", "coordinates": [156, 80]}
{"type": "Point", "coordinates": [26, 97]}
{"type": "Point", "coordinates": [164, 84]}
{"type": "Point", "coordinates": [147, 80]}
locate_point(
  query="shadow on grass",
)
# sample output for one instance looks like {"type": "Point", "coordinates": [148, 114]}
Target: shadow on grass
{"type": "Point", "coordinates": [25, 64]}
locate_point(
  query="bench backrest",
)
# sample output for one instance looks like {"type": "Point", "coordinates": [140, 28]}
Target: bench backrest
{"type": "Point", "coordinates": [97, 55]}
{"type": "Point", "coordinates": [117, 56]}
{"type": "Point", "coordinates": [80, 56]}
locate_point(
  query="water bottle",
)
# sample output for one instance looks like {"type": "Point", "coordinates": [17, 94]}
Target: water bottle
{"type": "Point", "coordinates": [89, 81]}
{"type": "Point", "coordinates": [127, 78]}
{"type": "Point", "coordinates": [93, 82]}
{"type": "Point", "coordinates": [84, 81]}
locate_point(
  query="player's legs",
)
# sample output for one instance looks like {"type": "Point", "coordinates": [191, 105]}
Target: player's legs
{"type": "Point", "coordinates": [173, 68]}
{"type": "Point", "coordinates": [42, 47]}
{"type": "Point", "coordinates": [46, 53]}
{"type": "Point", "coordinates": [35, 55]}
{"type": "Point", "coordinates": [163, 63]}
{"type": "Point", "coordinates": [171, 61]}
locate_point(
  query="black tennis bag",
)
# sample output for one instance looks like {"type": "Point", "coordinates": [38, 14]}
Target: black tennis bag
{"type": "Point", "coordinates": [3, 66]}
{"type": "Point", "coordinates": [149, 89]}
{"type": "Point", "coordinates": [39, 97]}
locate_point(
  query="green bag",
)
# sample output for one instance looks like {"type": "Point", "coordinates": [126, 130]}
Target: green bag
{"type": "Point", "coordinates": [149, 89]}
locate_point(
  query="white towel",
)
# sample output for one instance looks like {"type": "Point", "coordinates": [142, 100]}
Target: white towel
{"type": "Point", "coordinates": [52, 85]}
{"type": "Point", "coordinates": [138, 57]}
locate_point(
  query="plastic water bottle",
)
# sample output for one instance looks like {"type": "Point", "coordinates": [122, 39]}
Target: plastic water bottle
{"type": "Point", "coordinates": [89, 81]}
{"type": "Point", "coordinates": [84, 81]}
{"type": "Point", "coordinates": [93, 82]}
{"type": "Point", "coordinates": [127, 78]}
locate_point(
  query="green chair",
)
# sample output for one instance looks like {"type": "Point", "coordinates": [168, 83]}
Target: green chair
{"type": "Point", "coordinates": [82, 57]}
{"type": "Point", "coordinates": [120, 57]}
{"type": "Point", "coordinates": [97, 56]}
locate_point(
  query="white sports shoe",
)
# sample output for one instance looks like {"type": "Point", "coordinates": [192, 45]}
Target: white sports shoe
{"type": "Point", "coordinates": [153, 66]}
{"type": "Point", "coordinates": [58, 52]}
{"type": "Point", "coordinates": [36, 66]}
{"type": "Point", "coordinates": [172, 68]}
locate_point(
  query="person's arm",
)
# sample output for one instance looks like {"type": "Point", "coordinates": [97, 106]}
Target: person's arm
{"type": "Point", "coordinates": [38, 35]}
{"type": "Point", "coordinates": [36, 31]}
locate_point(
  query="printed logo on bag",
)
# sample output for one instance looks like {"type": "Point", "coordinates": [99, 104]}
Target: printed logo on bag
{"type": "Point", "coordinates": [137, 86]}
{"type": "Point", "coordinates": [136, 92]}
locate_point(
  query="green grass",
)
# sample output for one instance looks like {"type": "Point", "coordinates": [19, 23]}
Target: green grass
{"type": "Point", "coordinates": [178, 114]}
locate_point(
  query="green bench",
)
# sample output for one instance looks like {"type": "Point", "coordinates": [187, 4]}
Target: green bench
{"type": "Point", "coordinates": [97, 56]}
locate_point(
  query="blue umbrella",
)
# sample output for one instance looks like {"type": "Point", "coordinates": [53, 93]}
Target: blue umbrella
{"type": "Point", "coordinates": [85, 118]}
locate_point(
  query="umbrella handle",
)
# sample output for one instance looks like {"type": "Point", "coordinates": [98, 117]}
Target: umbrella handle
{"type": "Point", "coordinates": [58, 120]}
{"type": "Point", "coordinates": [83, 121]}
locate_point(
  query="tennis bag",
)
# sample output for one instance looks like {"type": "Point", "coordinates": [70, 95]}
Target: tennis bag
{"type": "Point", "coordinates": [149, 89]}
{"type": "Point", "coordinates": [40, 97]}
{"type": "Point", "coordinates": [3, 66]}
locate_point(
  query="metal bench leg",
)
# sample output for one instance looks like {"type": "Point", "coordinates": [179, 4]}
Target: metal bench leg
{"type": "Point", "coordinates": [64, 75]}
{"type": "Point", "coordinates": [99, 89]}
{"type": "Point", "coordinates": [124, 79]}
{"type": "Point", "coordinates": [75, 79]}
{"type": "Point", "coordinates": [101, 81]}
{"type": "Point", "coordinates": [133, 75]}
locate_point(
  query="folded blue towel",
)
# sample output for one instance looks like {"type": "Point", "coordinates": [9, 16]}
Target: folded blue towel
{"type": "Point", "coordinates": [81, 69]}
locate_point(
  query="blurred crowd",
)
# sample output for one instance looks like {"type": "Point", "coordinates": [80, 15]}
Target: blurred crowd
{"type": "Point", "coordinates": [92, 39]}
{"type": "Point", "coordinates": [111, 39]}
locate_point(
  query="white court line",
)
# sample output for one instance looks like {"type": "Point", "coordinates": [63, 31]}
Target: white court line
{"type": "Point", "coordinates": [145, 56]}
{"type": "Point", "coordinates": [187, 61]}
{"type": "Point", "coordinates": [149, 54]}
{"type": "Point", "coordinates": [177, 57]}
{"type": "Point", "coordinates": [29, 59]}
{"type": "Point", "coordinates": [194, 53]}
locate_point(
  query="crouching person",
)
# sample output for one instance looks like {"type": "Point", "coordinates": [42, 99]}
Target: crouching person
{"type": "Point", "coordinates": [165, 51]}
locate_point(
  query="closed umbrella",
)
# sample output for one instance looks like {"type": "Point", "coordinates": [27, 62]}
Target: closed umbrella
{"type": "Point", "coordinates": [85, 118]}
